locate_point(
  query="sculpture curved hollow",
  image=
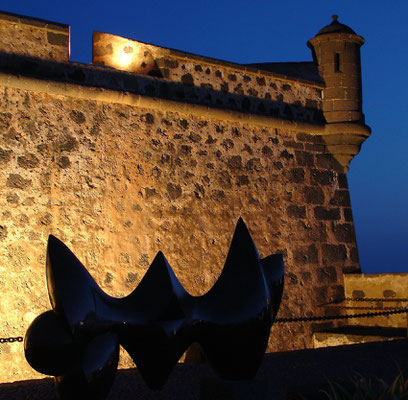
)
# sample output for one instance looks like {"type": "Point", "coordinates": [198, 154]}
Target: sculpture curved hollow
{"type": "Point", "coordinates": [78, 341]}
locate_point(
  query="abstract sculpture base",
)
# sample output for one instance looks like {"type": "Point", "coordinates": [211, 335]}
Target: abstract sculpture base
{"type": "Point", "coordinates": [78, 341]}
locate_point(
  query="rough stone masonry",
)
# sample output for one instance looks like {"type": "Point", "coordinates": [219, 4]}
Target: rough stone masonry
{"type": "Point", "coordinates": [152, 149]}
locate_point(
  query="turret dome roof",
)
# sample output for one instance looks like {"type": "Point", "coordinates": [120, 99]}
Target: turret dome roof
{"type": "Point", "coordinates": [335, 27]}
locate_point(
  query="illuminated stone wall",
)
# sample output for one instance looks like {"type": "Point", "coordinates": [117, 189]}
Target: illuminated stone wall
{"type": "Point", "coordinates": [213, 82]}
{"type": "Point", "coordinates": [34, 37]}
{"type": "Point", "coordinates": [119, 176]}
{"type": "Point", "coordinates": [368, 289]}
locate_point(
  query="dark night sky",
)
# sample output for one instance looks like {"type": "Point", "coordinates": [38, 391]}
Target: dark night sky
{"type": "Point", "coordinates": [266, 30]}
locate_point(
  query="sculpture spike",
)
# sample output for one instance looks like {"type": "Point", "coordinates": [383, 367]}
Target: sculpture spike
{"type": "Point", "coordinates": [156, 323]}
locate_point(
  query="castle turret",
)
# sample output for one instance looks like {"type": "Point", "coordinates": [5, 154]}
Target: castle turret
{"type": "Point", "coordinates": [336, 51]}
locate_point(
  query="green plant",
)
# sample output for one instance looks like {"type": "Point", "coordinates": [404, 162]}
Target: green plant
{"type": "Point", "coordinates": [361, 388]}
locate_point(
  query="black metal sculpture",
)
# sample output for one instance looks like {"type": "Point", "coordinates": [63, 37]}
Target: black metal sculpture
{"type": "Point", "coordinates": [78, 342]}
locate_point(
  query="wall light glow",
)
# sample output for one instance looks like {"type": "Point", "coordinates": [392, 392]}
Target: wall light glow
{"type": "Point", "coordinates": [124, 56]}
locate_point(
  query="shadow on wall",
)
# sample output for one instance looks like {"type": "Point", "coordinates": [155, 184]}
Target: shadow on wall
{"type": "Point", "coordinates": [107, 78]}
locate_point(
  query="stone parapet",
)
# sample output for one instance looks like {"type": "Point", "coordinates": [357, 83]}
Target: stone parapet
{"type": "Point", "coordinates": [123, 82]}
{"type": "Point", "coordinates": [343, 140]}
{"type": "Point", "coordinates": [376, 293]}
{"type": "Point", "coordinates": [34, 37]}
{"type": "Point", "coordinates": [245, 88]}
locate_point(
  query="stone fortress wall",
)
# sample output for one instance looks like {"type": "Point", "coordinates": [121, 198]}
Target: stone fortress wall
{"type": "Point", "coordinates": [165, 153]}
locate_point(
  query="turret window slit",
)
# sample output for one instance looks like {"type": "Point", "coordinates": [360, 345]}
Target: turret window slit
{"type": "Point", "coordinates": [337, 62]}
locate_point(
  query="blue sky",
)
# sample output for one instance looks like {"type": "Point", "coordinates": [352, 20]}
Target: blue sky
{"type": "Point", "coordinates": [268, 30]}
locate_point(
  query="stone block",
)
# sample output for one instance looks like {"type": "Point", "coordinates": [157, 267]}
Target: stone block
{"type": "Point", "coordinates": [344, 233]}
{"type": "Point", "coordinates": [28, 161]}
{"type": "Point", "coordinates": [58, 39]}
{"type": "Point", "coordinates": [325, 161]}
{"type": "Point", "coordinates": [335, 93]}
{"type": "Point", "coordinates": [321, 177]}
{"type": "Point", "coordinates": [314, 147]}
{"type": "Point", "coordinates": [313, 195]}
{"type": "Point", "coordinates": [306, 255]}
{"type": "Point", "coordinates": [294, 211]}
{"type": "Point", "coordinates": [305, 137]}
{"type": "Point", "coordinates": [334, 253]}
{"type": "Point", "coordinates": [351, 269]}
{"type": "Point", "coordinates": [234, 163]}
{"type": "Point", "coordinates": [327, 214]}
{"type": "Point", "coordinates": [341, 198]}
{"type": "Point", "coordinates": [187, 79]}
{"type": "Point", "coordinates": [354, 254]}
{"type": "Point", "coordinates": [353, 93]}
{"type": "Point", "coordinates": [320, 294]}
{"type": "Point", "coordinates": [342, 179]}
{"type": "Point", "coordinates": [327, 275]}
{"type": "Point", "coordinates": [5, 156]}
{"type": "Point", "coordinates": [342, 116]}
{"type": "Point", "coordinates": [297, 175]}
{"type": "Point", "coordinates": [16, 181]}
{"type": "Point", "coordinates": [352, 105]}
{"type": "Point", "coordinates": [304, 158]}
{"type": "Point", "coordinates": [293, 145]}
{"type": "Point", "coordinates": [327, 105]}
